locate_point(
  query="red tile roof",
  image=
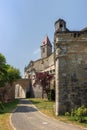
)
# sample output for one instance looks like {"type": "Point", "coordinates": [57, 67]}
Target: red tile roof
{"type": "Point", "coordinates": [46, 41]}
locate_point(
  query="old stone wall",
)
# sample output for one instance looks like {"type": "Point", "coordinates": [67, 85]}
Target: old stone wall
{"type": "Point", "coordinates": [7, 93]}
{"type": "Point", "coordinates": [37, 91]}
{"type": "Point", "coordinates": [72, 56]}
{"type": "Point", "coordinates": [41, 65]}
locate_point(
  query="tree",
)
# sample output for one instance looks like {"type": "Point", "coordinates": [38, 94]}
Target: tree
{"type": "Point", "coordinates": [13, 74]}
{"type": "Point", "coordinates": [3, 70]}
{"type": "Point", "coordinates": [7, 72]}
{"type": "Point", "coordinates": [43, 78]}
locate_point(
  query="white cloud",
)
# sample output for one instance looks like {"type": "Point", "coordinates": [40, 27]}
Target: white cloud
{"type": "Point", "coordinates": [36, 51]}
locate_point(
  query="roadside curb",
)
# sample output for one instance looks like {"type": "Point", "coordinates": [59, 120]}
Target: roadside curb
{"type": "Point", "coordinates": [11, 119]}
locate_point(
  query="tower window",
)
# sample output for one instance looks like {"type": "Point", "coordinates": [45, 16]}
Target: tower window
{"type": "Point", "coordinates": [61, 25]}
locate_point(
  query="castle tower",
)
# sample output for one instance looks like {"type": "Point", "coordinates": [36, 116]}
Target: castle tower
{"type": "Point", "coordinates": [60, 25]}
{"type": "Point", "coordinates": [60, 60]}
{"type": "Point", "coordinates": [46, 48]}
{"type": "Point", "coordinates": [70, 63]}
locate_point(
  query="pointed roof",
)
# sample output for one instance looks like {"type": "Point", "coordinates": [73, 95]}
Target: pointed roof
{"type": "Point", "coordinates": [60, 20]}
{"type": "Point", "coordinates": [46, 41]}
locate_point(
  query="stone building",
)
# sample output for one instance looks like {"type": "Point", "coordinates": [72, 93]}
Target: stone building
{"type": "Point", "coordinates": [68, 62]}
{"type": "Point", "coordinates": [44, 64]}
{"type": "Point", "coordinates": [70, 67]}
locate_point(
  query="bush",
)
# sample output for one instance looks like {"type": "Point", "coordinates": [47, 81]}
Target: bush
{"type": "Point", "coordinates": [1, 107]}
{"type": "Point", "coordinates": [73, 112]}
{"type": "Point", "coordinates": [51, 95]}
{"type": "Point", "coordinates": [80, 113]}
{"type": "Point", "coordinates": [67, 114]}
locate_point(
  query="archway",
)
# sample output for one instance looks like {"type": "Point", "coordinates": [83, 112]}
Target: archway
{"type": "Point", "coordinates": [20, 92]}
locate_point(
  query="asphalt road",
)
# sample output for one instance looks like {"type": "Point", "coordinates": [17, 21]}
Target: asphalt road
{"type": "Point", "coordinates": [27, 117]}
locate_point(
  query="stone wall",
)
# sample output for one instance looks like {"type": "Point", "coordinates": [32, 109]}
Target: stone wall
{"type": "Point", "coordinates": [7, 93]}
{"type": "Point", "coordinates": [36, 91]}
{"type": "Point", "coordinates": [71, 61]}
{"type": "Point", "coordinates": [41, 64]}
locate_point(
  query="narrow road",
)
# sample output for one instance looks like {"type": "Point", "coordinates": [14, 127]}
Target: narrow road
{"type": "Point", "coordinates": [27, 117]}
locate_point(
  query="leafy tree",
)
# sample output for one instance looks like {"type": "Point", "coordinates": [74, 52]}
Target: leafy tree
{"type": "Point", "coordinates": [43, 78]}
{"type": "Point", "coordinates": [13, 74]}
{"type": "Point", "coordinates": [7, 72]}
{"type": "Point", "coordinates": [3, 70]}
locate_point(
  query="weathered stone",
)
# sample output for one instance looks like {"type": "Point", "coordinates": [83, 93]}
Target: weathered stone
{"type": "Point", "coordinates": [72, 67]}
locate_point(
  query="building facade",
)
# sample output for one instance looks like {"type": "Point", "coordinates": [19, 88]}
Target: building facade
{"type": "Point", "coordinates": [44, 64]}
{"type": "Point", "coordinates": [70, 67]}
{"type": "Point", "coordinates": [68, 62]}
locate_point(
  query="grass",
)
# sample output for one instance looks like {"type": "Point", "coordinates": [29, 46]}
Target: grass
{"type": "Point", "coordinates": [47, 108]}
{"type": "Point", "coordinates": [44, 106]}
{"type": "Point", "coordinates": [4, 117]}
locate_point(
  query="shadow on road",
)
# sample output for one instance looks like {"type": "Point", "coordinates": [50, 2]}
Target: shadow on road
{"type": "Point", "coordinates": [25, 109]}
{"type": "Point", "coordinates": [24, 101]}
{"type": "Point", "coordinates": [25, 106]}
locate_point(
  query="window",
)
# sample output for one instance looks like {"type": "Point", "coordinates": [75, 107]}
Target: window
{"type": "Point", "coordinates": [61, 25]}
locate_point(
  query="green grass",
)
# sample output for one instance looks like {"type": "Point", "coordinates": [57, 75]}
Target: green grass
{"type": "Point", "coordinates": [4, 117]}
{"type": "Point", "coordinates": [47, 108]}
{"type": "Point", "coordinates": [44, 106]}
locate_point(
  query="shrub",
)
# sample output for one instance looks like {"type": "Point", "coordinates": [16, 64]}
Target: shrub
{"type": "Point", "coordinates": [73, 112]}
{"type": "Point", "coordinates": [67, 114]}
{"type": "Point", "coordinates": [1, 107]}
{"type": "Point", "coordinates": [80, 113]}
{"type": "Point", "coordinates": [51, 95]}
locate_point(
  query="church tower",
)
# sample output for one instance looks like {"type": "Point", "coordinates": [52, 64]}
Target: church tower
{"type": "Point", "coordinates": [46, 48]}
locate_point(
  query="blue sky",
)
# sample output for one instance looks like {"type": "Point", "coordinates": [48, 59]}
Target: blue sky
{"type": "Point", "coordinates": [25, 23]}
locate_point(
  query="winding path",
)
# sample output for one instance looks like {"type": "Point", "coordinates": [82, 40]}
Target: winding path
{"type": "Point", "coordinates": [27, 117]}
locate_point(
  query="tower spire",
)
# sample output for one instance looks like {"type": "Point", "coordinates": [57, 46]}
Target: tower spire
{"type": "Point", "coordinates": [46, 47]}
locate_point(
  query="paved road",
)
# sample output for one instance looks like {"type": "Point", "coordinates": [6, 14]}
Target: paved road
{"type": "Point", "coordinates": [27, 117]}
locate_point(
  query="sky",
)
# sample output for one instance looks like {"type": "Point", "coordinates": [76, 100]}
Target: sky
{"type": "Point", "coordinates": [25, 23]}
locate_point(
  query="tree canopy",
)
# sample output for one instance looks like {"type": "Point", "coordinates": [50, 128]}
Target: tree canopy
{"type": "Point", "coordinates": [7, 72]}
{"type": "Point", "coordinates": [13, 74]}
{"type": "Point", "coordinates": [3, 70]}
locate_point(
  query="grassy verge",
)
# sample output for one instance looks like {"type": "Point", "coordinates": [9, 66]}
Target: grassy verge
{"type": "Point", "coordinates": [47, 108]}
{"type": "Point", "coordinates": [4, 117]}
{"type": "Point", "coordinates": [44, 106]}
